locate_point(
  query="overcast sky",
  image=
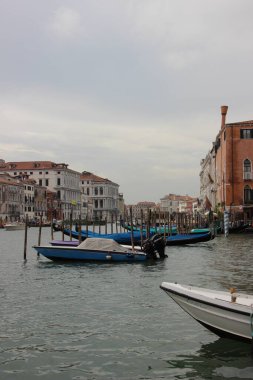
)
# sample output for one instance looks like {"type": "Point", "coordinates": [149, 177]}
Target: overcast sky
{"type": "Point", "coordinates": [127, 89]}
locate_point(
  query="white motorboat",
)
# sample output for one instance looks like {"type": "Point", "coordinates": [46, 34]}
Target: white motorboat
{"type": "Point", "coordinates": [227, 314]}
{"type": "Point", "coordinates": [14, 226]}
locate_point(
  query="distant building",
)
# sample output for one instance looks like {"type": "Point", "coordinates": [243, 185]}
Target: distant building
{"type": "Point", "coordinates": [140, 210]}
{"type": "Point", "coordinates": [12, 196]}
{"type": "Point", "coordinates": [173, 203]}
{"type": "Point", "coordinates": [100, 197]}
{"type": "Point", "coordinates": [226, 179]}
{"type": "Point", "coordinates": [57, 178]}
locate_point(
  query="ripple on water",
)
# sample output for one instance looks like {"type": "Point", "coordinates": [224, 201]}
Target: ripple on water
{"type": "Point", "coordinates": [89, 321]}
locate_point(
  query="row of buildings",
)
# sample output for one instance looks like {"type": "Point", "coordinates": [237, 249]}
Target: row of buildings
{"type": "Point", "coordinates": [53, 190]}
{"type": "Point", "coordinates": [226, 177]}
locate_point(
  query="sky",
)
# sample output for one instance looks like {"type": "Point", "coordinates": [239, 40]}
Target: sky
{"type": "Point", "coordinates": [129, 90]}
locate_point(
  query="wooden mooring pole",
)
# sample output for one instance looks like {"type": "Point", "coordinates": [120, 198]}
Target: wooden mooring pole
{"type": "Point", "coordinates": [39, 238]}
{"type": "Point", "coordinates": [25, 242]}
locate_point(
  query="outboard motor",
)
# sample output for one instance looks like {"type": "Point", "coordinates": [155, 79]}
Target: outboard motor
{"type": "Point", "coordinates": [155, 247]}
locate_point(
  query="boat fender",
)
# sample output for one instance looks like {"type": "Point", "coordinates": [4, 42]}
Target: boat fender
{"type": "Point", "coordinates": [233, 294]}
{"type": "Point", "coordinates": [108, 257]}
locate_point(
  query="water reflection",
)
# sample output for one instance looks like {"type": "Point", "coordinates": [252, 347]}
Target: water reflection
{"type": "Point", "coordinates": [223, 358]}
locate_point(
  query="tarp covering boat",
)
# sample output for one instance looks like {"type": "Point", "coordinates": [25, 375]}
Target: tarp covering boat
{"type": "Point", "coordinates": [102, 244]}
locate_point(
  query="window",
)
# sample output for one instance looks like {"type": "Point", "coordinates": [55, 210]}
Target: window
{"type": "Point", "coordinates": [96, 191]}
{"type": "Point", "coordinates": [101, 191]}
{"type": "Point", "coordinates": [247, 169]}
{"type": "Point", "coordinates": [29, 188]}
{"type": "Point", "coordinates": [88, 191]}
{"type": "Point", "coordinates": [248, 195]}
{"type": "Point", "coordinates": [246, 133]}
{"type": "Point", "coordinates": [101, 203]}
{"type": "Point", "coordinates": [47, 182]}
{"type": "Point", "coordinates": [58, 194]}
{"type": "Point", "coordinates": [46, 172]}
{"type": "Point", "coordinates": [58, 181]}
{"type": "Point", "coordinates": [40, 172]}
{"type": "Point", "coordinates": [96, 203]}
{"type": "Point", "coordinates": [40, 182]}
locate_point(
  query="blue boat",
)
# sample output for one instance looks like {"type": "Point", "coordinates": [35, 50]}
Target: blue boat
{"type": "Point", "coordinates": [120, 237]}
{"type": "Point", "coordinates": [125, 237]}
{"type": "Point", "coordinates": [182, 239]}
{"type": "Point", "coordinates": [105, 250]}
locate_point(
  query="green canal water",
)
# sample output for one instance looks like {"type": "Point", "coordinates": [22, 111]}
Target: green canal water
{"type": "Point", "coordinates": [112, 321]}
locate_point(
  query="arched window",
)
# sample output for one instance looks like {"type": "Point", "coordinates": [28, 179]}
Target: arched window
{"type": "Point", "coordinates": [248, 195]}
{"type": "Point", "coordinates": [247, 169]}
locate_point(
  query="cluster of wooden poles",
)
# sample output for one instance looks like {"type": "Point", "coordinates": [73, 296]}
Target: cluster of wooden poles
{"type": "Point", "coordinates": [184, 223]}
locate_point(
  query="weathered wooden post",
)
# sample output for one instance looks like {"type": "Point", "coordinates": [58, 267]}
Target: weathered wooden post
{"type": "Point", "coordinates": [132, 233]}
{"type": "Point", "coordinates": [141, 228]}
{"type": "Point", "coordinates": [87, 225]}
{"type": "Point", "coordinates": [116, 221]}
{"type": "Point", "coordinates": [80, 229]}
{"type": "Point", "coordinates": [99, 224]}
{"type": "Point", "coordinates": [70, 226]}
{"type": "Point", "coordinates": [106, 225]}
{"type": "Point", "coordinates": [62, 228]}
{"type": "Point", "coordinates": [112, 223]}
{"type": "Point", "coordinates": [39, 238]}
{"type": "Point", "coordinates": [25, 242]}
{"type": "Point", "coordinates": [52, 227]}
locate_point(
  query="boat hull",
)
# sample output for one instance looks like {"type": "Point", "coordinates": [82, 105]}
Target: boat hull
{"type": "Point", "coordinates": [181, 239]}
{"type": "Point", "coordinates": [76, 254]}
{"type": "Point", "coordinates": [218, 314]}
{"type": "Point", "coordinates": [14, 227]}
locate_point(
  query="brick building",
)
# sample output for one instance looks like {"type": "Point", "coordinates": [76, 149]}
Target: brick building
{"type": "Point", "coordinates": [226, 181]}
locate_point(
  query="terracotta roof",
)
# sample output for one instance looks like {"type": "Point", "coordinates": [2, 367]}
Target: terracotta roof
{"type": "Point", "coordinates": [10, 182]}
{"type": "Point", "coordinates": [87, 176]}
{"type": "Point", "coordinates": [146, 203]}
{"type": "Point", "coordinates": [248, 122]}
{"type": "Point", "coordinates": [31, 165]}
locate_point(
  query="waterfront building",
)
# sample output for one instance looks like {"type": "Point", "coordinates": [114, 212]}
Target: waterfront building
{"type": "Point", "coordinates": [226, 180]}
{"type": "Point", "coordinates": [40, 203]}
{"type": "Point", "coordinates": [143, 207]}
{"type": "Point", "coordinates": [57, 178]}
{"type": "Point", "coordinates": [12, 196]}
{"type": "Point", "coordinates": [174, 203]}
{"type": "Point", "coordinates": [29, 202]}
{"type": "Point", "coordinates": [100, 197]}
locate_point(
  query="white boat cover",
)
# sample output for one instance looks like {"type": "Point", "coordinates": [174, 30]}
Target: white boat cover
{"type": "Point", "coordinates": [101, 244]}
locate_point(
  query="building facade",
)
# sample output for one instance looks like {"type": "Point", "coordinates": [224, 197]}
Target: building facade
{"type": "Point", "coordinates": [226, 178]}
{"type": "Point", "coordinates": [173, 203]}
{"type": "Point", "coordinates": [57, 178]}
{"type": "Point", "coordinates": [12, 199]}
{"type": "Point", "coordinates": [100, 197]}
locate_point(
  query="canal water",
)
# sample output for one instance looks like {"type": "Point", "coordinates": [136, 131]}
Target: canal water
{"type": "Point", "coordinates": [112, 321]}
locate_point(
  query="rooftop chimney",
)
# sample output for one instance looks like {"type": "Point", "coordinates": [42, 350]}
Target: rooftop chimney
{"type": "Point", "coordinates": [224, 110]}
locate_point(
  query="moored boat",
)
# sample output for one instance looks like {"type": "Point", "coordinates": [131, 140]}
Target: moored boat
{"type": "Point", "coordinates": [99, 249]}
{"type": "Point", "coordinates": [126, 237]}
{"type": "Point", "coordinates": [182, 239]}
{"type": "Point", "coordinates": [227, 314]}
{"type": "Point", "coordinates": [14, 226]}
